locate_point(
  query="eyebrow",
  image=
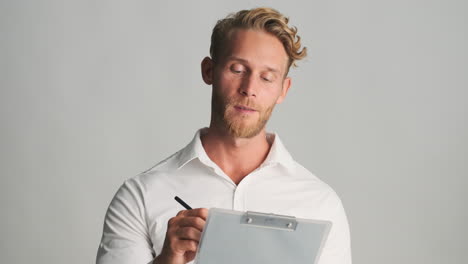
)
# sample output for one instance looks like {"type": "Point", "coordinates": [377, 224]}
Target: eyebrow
{"type": "Point", "coordinates": [247, 62]}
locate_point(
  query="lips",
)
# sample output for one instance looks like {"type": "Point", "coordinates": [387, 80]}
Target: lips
{"type": "Point", "coordinates": [245, 108]}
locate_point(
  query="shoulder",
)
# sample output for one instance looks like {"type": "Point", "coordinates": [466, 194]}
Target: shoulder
{"type": "Point", "coordinates": [157, 172]}
{"type": "Point", "coordinates": [304, 175]}
{"type": "Point", "coordinates": [317, 187]}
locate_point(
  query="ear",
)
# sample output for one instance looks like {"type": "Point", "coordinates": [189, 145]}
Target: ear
{"type": "Point", "coordinates": [207, 70]}
{"type": "Point", "coordinates": [284, 90]}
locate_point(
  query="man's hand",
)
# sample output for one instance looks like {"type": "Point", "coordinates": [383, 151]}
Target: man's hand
{"type": "Point", "coordinates": [182, 237]}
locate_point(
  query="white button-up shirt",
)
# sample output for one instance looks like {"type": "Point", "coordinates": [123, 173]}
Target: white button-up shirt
{"type": "Point", "coordinates": [136, 220]}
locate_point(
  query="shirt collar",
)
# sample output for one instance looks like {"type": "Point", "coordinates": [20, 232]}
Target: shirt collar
{"type": "Point", "coordinates": [277, 155]}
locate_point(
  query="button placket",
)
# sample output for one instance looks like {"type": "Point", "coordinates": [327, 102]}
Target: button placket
{"type": "Point", "coordinates": [238, 199]}
{"type": "Point", "coordinates": [239, 194]}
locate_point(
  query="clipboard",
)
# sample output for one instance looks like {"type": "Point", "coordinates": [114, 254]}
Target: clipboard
{"type": "Point", "coordinates": [233, 237]}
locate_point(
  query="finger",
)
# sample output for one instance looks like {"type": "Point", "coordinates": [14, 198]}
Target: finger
{"type": "Point", "coordinates": [186, 245]}
{"type": "Point", "coordinates": [200, 212]}
{"type": "Point", "coordinates": [189, 233]}
{"type": "Point", "coordinates": [192, 221]}
{"type": "Point", "coordinates": [181, 213]}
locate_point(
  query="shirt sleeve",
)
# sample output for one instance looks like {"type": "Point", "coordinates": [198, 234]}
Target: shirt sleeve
{"type": "Point", "coordinates": [337, 248]}
{"type": "Point", "coordinates": [125, 237]}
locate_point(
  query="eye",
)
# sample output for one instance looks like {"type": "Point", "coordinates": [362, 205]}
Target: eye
{"type": "Point", "coordinates": [268, 77]}
{"type": "Point", "coordinates": [237, 68]}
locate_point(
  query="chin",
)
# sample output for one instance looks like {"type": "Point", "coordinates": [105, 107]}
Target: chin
{"type": "Point", "coordinates": [242, 131]}
{"type": "Point", "coordinates": [244, 126]}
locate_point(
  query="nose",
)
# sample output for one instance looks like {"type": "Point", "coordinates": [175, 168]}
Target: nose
{"type": "Point", "coordinates": [247, 87]}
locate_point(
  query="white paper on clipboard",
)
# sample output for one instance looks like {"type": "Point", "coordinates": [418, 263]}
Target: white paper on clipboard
{"type": "Point", "coordinates": [234, 237]}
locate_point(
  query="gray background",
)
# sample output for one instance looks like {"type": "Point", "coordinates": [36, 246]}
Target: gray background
{"type": "Point", "coordinates": [94, 92]}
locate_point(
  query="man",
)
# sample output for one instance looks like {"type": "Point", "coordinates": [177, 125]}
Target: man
{"type": "Point", "coordinates": [234, 163]}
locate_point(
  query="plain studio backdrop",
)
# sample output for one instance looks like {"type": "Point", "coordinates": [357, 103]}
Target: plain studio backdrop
{"type": "Point", "coordinates": [94, 92]}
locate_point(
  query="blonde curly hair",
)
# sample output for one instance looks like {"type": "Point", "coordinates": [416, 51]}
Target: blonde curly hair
{"type": "Point", "coordinates": [262, 18]}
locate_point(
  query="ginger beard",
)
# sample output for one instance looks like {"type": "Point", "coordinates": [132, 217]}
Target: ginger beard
{"type": "Point", "coordinates": [237, 124]}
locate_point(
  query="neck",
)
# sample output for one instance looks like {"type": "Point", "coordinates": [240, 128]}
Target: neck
{"type": "Point", "coordinates": [237, 157]}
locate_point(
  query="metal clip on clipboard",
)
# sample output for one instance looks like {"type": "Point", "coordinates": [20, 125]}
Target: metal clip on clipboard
{"type": "Point", "coordinates": [282, 222]}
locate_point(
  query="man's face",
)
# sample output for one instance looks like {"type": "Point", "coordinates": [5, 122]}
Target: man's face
{"type": "Point", "coordinates": [248, 81]}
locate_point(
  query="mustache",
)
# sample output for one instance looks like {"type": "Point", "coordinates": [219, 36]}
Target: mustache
{"type": "Point", "coordinates": [246, 103]}
{"type": "Point", "coordinates": [223, 103]}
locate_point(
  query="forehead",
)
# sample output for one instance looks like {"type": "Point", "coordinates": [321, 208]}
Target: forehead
{"type": "Point", "coordinates": [256, 47]}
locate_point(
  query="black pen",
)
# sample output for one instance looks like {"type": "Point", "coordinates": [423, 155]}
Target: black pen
{"type": "Point", "coordinates": [183, 203]}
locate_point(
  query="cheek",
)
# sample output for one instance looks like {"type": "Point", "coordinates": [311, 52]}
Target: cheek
{"type": "Point", "coordinates": [228, 85]}
{"type": "Point", "coordinates": [274, 95]}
